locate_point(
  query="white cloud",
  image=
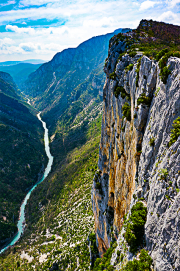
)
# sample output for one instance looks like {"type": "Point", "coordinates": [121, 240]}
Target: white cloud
{"type": "Point", "coordinates": [38, 47]}
{"type": "Point", "coordinates": [103, 22]}
{"type": "Point", "coordinates": [170, 17]}
{"type": "Point", "coordinates": [29, 47]}
{"type": "Point", "coordinates": [7, 48]}
{"type": "Point", "coordinates": [11, 2]}
{"type": "Point", "coordinates": [172, 3]}
{"type": "Point", "coordinates": [38, 31]}
{"type": "Point", "coordinates": [56, 10]}
{"type": "Point", "coordinates": [82, 20]}
{"type": "Point", "coordinates": [147, 4]}
{"type": "Point", "coordinates": [35, 2]}
{"type": "Point", "coordinates": [20, 30]}
{"type": "Point", "coordinates": [6, 41]}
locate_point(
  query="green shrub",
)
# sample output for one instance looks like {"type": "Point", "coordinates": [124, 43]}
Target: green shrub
{"type": "Point", "coordinates": [163, 173]}
{"type": "Point", "coordinates": [130, 67]}
{"type": "Point", "coordinates": [127, 111]}
{"type": "Point", "coordinates": [120, 56]}
{"type": "Point", "coordinates": [123, 128]}
{"type": "Point", "coordinates": [139, 148]}
{"type": "Point", "coordinates": [110, 268]}
{"type": "Point", "coordinates": [52, 238]}
{"type": "Point", "coordinates": [132, 54]}
{"type": "Point", "coordinates": [137, 70]}
{"type": "Point", "coordinates": [152, 142]}
{"type": "Point", "coordinates": [143, 264]}
{"type": "Point", "coordinates": [121, 257]}
{"type": "Point", "coordinates": [157, 91]}
{"type": "Point", "coordinates": [104, 263]}
{"type": "Point", "coordinates": [163, 61]}
{"type": "Point", "coordinates": [118, 253]}
{"type": "Point", "coordinates": [98, 186]}
{"type": "Point", "coordinates": [135, 228]}
{"type": "Point", "coordinates": [143, 99]}
{"type": "Point", "coordinates": [165, 72]}
{"type": "Point", "coordinates": [120, 90]}
{"type": "Point", "coordinates": [161, 53]}
{"type": "Point", "coordinates": [175, 132]}
{"type": "Point", "coordinates": [176, 54]}
{"type": "Point", "coordinates": [112, 76]}
{"type": "Point", "coordinates": [97, 263]}
{"type": "Point", "coordinates": [134, 196]}
{"type": "Point", "coordinates": [92, 239]}
{"type": "Point", "coordinates": [117, 91]}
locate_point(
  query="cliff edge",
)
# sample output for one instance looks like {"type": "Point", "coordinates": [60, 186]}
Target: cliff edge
{"type": "Point", "coordinates": [139, 154]}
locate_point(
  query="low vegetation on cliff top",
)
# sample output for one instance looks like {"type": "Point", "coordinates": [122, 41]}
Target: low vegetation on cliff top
{"type": "Point", "coordinates": [157, 40]}
{"type": "Point", "coordinates": [150, 37]}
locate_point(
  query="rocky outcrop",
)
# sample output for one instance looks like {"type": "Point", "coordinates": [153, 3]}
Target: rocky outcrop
{"type": "Point", "coordinates": [135, 160]}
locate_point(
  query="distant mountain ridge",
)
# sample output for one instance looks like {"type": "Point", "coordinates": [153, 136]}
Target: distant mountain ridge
{"type": "Point", "coordinates": [53, 85]}
{"type": "Point", "coordinates": [19, 71]}
{"type": "Point", "coordinates": [30, 61]}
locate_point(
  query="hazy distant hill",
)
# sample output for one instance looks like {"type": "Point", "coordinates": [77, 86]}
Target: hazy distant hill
{"type": "Point", "coordinates": [30, 61]}
{"type": "Point", "coordinates": [20, 71]}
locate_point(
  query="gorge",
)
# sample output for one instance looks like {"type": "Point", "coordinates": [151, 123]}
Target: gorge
{"type": "Point", "coordinates": [132, 179]}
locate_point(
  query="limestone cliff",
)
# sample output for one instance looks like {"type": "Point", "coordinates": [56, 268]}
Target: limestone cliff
{"type": "Point", "coordinates": [136, 161]}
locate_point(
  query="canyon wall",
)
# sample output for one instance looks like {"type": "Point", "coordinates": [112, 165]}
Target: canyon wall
{"type": "Point", "coordinates": [136, 161]}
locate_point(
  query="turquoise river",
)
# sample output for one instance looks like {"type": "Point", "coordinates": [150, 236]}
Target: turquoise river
{"type": "Point", "coordinates": [21, 221]}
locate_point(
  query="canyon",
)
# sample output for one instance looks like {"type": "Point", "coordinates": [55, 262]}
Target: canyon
{"type": "Point", "coordinates": [111, 201]}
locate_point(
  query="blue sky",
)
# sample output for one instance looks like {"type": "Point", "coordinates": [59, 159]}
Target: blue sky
{"type": "Point", "coordinates": [41, 28]}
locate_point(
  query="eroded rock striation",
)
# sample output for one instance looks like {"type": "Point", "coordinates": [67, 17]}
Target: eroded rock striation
{"type": "Point", "coordinates": [136, 161]}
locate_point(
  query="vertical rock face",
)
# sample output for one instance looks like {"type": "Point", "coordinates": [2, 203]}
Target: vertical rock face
{"type": "Point", "coordinates": [134, 154]}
